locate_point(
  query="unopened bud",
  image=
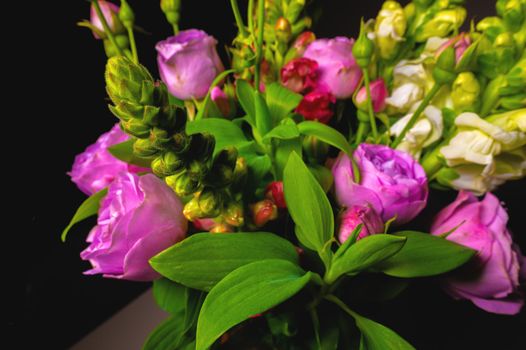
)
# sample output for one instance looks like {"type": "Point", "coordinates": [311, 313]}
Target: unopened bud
{"type": "Point", "coordinates": [201, 146]}
{"type": "Point", "coordinates": [210, 203]}
{"type": "Point", "coordinates": [283, 30]}
{"type": "Point", "coordinates": [126, 14]}
{"type": "Point", "coordinates": [233, 214]}
{"type": "Point", "coordinates": [136, 128]}
{"type": "Point", "coordinates": [512, 12]}
{"type": "Point", "coordinates": [223, 167]}
{"type": "Point", "coordinates": [264, 211]}
{"type": "Point", "coordinates": [357, 214]}
{"type": "Point", "coordinates": [389, 29]}
{"type": "Point", "coordinates": [275, 193]}
{"type": "Point", "coordinates": [441, 24]}
{"type": "Point", "coordinates": [171, 10]}
{"type": "Point", "coordinates": [363, 48]}
{"type": "Point", "coordinates": [192, 212]}
{"type": "Point", "coordinates": [465, 92]}
{"type": "Point", "coordinates": [182, 183]}
{"type": "Point", "coordinates": [444, 70]}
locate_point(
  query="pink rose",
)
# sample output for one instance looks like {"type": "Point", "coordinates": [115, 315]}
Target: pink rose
{"type": "Point", "coordinates": [379, 94]}
{"type": "Point", "coordinates": [110, 11]}
{"type": "Point", "coordinates": [491, 279]}
{"type": "Point", "coordinates": [392, 182]}
{"type": "Point", "coordinates": [138, 218]}
{"type": "Point", "coordinates": [95, 168]}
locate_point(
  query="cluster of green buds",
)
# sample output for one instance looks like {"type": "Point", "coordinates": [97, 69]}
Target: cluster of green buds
{"type": "Point", "coordinates": [185, 162]}
{"type": "Point", "coordinates": [172, 11]}
{"type": "Point", "coordinates": [284, 21]}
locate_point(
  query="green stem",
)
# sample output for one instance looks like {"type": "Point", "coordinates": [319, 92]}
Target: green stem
{"type": "Point", "coordinates": [251, 16]}
{"type": "Point", "coordinates": [259, 43]}
{"type": "Point", "coordinates": [341, 304]}
{"type": "Point", "coordinates": [106, 27]}
{"type": "Point", "coordinates": [133, 46]}
{"type": "Point", "coordinates": [175, 28]}
{"type": "Point", "coordinates": [414, 117]}
{"type": "Point", "coordinates": [370, 109]}
{"type": "Point", "coordinates": [239, 20]}
{"type": "Point", "coordinates": [362, 129]}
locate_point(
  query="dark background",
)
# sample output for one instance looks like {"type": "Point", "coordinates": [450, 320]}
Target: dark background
{"type": "Point", "coordinates": [65, 110]}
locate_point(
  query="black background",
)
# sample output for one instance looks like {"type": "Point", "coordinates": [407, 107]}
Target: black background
{"type": "Point", "coordinates": [61, 96]}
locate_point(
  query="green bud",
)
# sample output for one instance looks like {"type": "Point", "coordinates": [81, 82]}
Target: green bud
{"type": "Point", "coordinates": [441, 24]}
{"type": "Point", "coordinates": [301, 25]}
{"type": "Point", "coordinates": [191, 210]}
{"type": "Point", "coordinates": [180, 142]}
{"type": "Point", "coordinates": [513, 102]}
{"type": "Point", "coordinates": [210, 203]}
{"type": "Point", "coordinates": [201, 146]}
{"type": "Point", "coordinates": [516, 77]}
{"type": "Point", "coordinates": [390, 28]}
{"type": "Point", "coordinates": [126, 14]}
{"type": "Point", "coordinates": [182, 183]}
{"type": "Point", "coordinates": [159, 138]}
{"type": "Point", "coordinates": [223, 167]}
{"type": "Point", "coordinates": [135, 128]}
{"type": "Point", "coordinates": [465, 92]}
{"type": "Point", "coordinates": [444, 70]}
{"type": "Point", "coordinates": [124, 79]}
{"type": "Point", "coordinates": [121, 40]}
{"type": "Point", "coordinates": [233, 214]}
{"type": "Point", "coordinates": [197, 169]}
{"type": "Point", "coordinates": [167, 164]}
{"type": "Point", "coordinates": [512, 13]}
{"type": "Point", "coordinates": [294, 9]}
{"type": "Point", "coordinates": [171, 9]}
{"type": "Point", "coordinates": [144, 148]}
{"type": "Point", "coordinates": [283, 30]}
{"type": "Point", "coordinates": [491, 26]}
{"type": "Point", "coordinates": [363, 48]}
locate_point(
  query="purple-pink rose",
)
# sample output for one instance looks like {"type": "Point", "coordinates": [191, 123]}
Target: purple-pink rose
{"type": "Point", "coordinates": [188, 63]}
{"type": "Point", "coordinates": [379, 94]}
{"type": "Point", "coordinates": [392, 182]}
{"type": "Point", "coordinates": [338, 70]}
{"type": "Point", "coordinates": [139, 217]}
{"type": "Point", "coordinates": [95, 168]}
{"type": "Point", "coordinates": [110, 11]}
{"type": "Point", "coordinates": [359, 214]}
{"type": "Point", "coordinates": [491, 279]}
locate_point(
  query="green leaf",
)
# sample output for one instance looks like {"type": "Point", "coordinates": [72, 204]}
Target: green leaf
{"type": "Point", "coordinates": [169, 296]}
{"type": "Point", "coordinates": [203, 259]}
{"type": "Point", "coordinates": [245, 292]}
{"type": "Point", "coordinates": [88, 208]}
{"type": "Point", "coordinates": [193, 300]}
{"type": "Point", "coordinates": [281, 101]}
{"type": "Point", "coordinates": [326, 134]}
{"type": "Point", "coordinates": [201, 113]}
{"type": "Point", "coordinates": [225, 132]}
{"type": "Point", "coordinates": [323, 175]}
{"type": "Point", "coordinates": [307, 204]}
{"type": "Point", "coordinates": [379, 337]}
{"type": "Point", "coordinates": [124, 152]}
{"type": "Point", "coordinates": [425, 255]}
{"type": "Point", "coordinates": [167, 336]}
{"type": "Point", "coordinates": [245, 95]}
{"type": "Point", "coordinates": [283, 132]}
{"type": "Point", "coordinates": [363, 254]}
{"type": "Point", "coordinates": [263, 118]}
{"type": "Point", "coordinates": [283, 150]}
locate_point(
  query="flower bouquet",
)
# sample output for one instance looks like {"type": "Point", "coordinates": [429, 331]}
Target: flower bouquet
{"type": "Point", "coordinates": [263, 200]}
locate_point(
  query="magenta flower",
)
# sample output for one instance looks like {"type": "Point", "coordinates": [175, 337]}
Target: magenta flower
{"type": "Point", "coordinates": [221, 101]}
{"type": "Point", "coordinates": [491, 279]}
{"type": "Point", "coordinates": [356, 215]}
{"type": "Point", "coordinates": [379, 93]}
{"type": "Point", "coordinates": [110, 12]}
{"type": "Point", "coordinates": [138, 218]}
{"type": "Point", "coordinates": [338, 69]}
{"type": "Point", "coordinates": [460, 43]}
{"type": "Point", "coordinates": [300, 75]}
{"type": "Point", "coordinates": [95, 168]}
{"type": "Point", "coordinates": [317, 105]}
{"type": "Point", "coordinates": [392, 182]}
{"type": "Point", "coordinates": [188, 63]}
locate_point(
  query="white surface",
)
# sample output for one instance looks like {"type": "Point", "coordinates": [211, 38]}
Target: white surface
{"type": "Point", "coordinates": [127, 329]}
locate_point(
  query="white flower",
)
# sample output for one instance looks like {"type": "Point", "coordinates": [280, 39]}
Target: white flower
{"type": "Point", "coordinates": [427, 129]}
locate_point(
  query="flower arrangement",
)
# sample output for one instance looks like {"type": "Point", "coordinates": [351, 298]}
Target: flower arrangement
{"type": "Point", "coordinates": [254, 196]}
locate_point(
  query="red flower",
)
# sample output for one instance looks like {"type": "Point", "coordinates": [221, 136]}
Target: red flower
{"type": "Point", "coordinates": [317, 105]}
{"type": "Point", "coordinates": [300, 75]}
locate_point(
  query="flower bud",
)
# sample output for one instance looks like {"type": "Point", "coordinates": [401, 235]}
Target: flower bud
{"type": "Point", "coordinates": [182, 183]}
{"type": "Point", "coordinates": [356, 215]}
{"type": "Point", "coordinates": [192, 212]}
{"type": "Point", "coordinates": [513, 102]}
{"type": "Point", "coordinates": [363, 48]}
{"type": "Point", "coordinates": [223, 167]}
{"type": "Point", "coordinates": [516, 77]}
{"type": "Point", "coordinates": [171, 10]}
{"type": "Point", "coordinates": [444, 70]}
{"type": "Point", "coordinates": [465, 92]}
{"type": "Point", "coordinates": [441, 24]}
{"type": "Point", "coordinates": [136, 128]}
{"type": "Point", "coordinates": [124, 80]}
{"type": "Point", "coordinates": [389, 29]}
{"type": "Point", "coordinates": [110, 11]}
{"type": "Point", "coordinates": [315, 149]}
{"type": "Point", "coordinates": [201, 146]}
{"type": "Point", "coordinates": [460, 43]}
{"type": "Point", "coordinates": [264, 211]}
{"type": "Point", "coordinates": [317, 105]}
{"type": "Point", "coordinates": [210, 202]}
{"type": "Point", "coordinates": [274, 192]}
{"type": "Point", "coordinates": [512, 12]}
{"type": "Point", "coordinates": [233, 214]}
{"type": "Point", "coordinates": [283, 30]}
{"type": "Point", "coordinates": [423, 4]}
{"type": "Point", "coordinates": [222, 102]}
{"type": "Point", "coordinates": [491, 26]}
{"type": "Point", "coordinates": [126, 14]}
{"type": "Point", "coordinates": [379, 94]}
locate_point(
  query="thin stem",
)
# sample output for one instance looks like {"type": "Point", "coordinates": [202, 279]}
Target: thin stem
{"type": "Point", "coordinates": [251, 16]}
{"type": "Point", "coordinates": [362, 129]}
{"type": "Point", "coordinates": [259, 43]}
{"type": "Point", "coordinates": [175, 27]}
{"type": "Point", "coordinates": [133, 46]}
{"type": "Point", "coordinates": [239, 19]}
{"type": "Point", "coordinates": [370, 103]}
{"type": "Point", "coordinates": [341, 304]}
{"type": "Point", "coordinates": [106, 27]}
{"type": "Point", "coordinates": [414, 117]}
